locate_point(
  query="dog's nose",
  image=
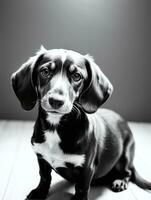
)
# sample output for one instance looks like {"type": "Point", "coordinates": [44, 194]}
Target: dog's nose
{"type": "Point", "coordinates": [55, 103]}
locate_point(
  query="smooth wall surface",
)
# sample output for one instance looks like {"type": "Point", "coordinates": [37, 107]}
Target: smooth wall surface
{"type": "Point", "coordinates": [116, 32]}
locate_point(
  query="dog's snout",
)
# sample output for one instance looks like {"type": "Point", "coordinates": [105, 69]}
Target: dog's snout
{"type": "Point", "coordinates": [55, 103]}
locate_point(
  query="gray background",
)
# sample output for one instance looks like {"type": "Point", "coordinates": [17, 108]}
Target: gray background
{"type": "Point", "coordinates": [116, 32]}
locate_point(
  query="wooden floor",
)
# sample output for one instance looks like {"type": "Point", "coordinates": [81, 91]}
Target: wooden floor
{"type": "Point", "coordinates": [19, 169]}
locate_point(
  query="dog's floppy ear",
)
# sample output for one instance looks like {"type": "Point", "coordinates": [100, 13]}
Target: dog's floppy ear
{"type": "Point", "coordinates": [22, 82]}
{"type": "Point", "coordinates": [98, 88]}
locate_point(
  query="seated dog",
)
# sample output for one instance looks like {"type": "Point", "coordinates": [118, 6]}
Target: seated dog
{"type": "Point", "coordinates": [72, 134]}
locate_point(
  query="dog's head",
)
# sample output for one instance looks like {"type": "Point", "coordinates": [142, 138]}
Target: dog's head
{"type": "Point", "coordinates": [58, 78]}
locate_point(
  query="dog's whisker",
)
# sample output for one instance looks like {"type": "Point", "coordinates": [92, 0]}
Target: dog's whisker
{"type": "Point", "coordinates": [76, 111]}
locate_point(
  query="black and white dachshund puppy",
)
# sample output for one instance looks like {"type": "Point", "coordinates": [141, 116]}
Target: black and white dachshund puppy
{"type": "Point", "coordinates": [72, 134]}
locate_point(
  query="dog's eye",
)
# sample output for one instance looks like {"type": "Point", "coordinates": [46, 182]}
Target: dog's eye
{"type": "Point", "coordinates": [45, 72]}
{"type": "Point", "coordinates": [76, 77]}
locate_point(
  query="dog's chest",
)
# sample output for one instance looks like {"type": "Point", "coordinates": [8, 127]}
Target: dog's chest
{"type": "Point", "coordinates": [53, 154]}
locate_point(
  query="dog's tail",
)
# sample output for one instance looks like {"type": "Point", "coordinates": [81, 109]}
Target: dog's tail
{"type": "Point", "coordinates": [139, 181]}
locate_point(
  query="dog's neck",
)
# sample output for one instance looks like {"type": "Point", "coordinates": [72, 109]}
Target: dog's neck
{"type": "Point", "coordinates": [70, 127]}
{"type": "Point", "coordinates": [52, 121]}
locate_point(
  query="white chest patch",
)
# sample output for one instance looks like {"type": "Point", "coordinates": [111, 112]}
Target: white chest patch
{"type": "Point", "coordinates": [53, 154]}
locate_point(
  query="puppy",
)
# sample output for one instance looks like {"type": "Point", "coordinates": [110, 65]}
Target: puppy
{"type": "Point", "coordinates": [72, 134]}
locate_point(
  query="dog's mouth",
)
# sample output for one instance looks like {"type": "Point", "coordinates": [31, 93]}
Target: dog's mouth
{"type": "Point", "coordinates": [55, 112]}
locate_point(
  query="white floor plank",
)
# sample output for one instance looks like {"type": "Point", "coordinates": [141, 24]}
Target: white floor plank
{"type": "Point", "coordinates": [24, 173]}
{"type": "Point", "coordinates": [8, 151]}
{"type": "Point", "coordinates": [142, 161]}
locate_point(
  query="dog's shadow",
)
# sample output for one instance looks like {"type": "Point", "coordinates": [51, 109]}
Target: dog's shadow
{"type": "Point", "coordinates": [64, 190]}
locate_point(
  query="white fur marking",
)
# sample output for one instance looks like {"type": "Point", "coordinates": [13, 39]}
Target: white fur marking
{"type": "Point", "coordinates": [51, 151]}
{"type": "Point", "coordinates": [53, 118]}
{"type": "Point", "coordinates": [41, 50]}
{"type": "Point", "coordinates": [63, 57]}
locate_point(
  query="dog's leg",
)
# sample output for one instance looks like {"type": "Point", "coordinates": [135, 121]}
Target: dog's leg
{"type": "Point", "coordinates": [41, 191]}
{"type": "Point", "coordinates": [124, 167]}
{"type": "Point", "coordinates": [83, 184]}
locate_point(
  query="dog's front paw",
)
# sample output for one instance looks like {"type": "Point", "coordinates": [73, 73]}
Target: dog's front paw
{"type": "Point", "coordinates": [119, 185]}
{"type": "Point", "coordinates": [37, 194]}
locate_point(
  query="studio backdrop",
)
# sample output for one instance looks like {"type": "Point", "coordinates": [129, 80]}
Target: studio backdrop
{"type": "Point", "coordinates": [117, 33]}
